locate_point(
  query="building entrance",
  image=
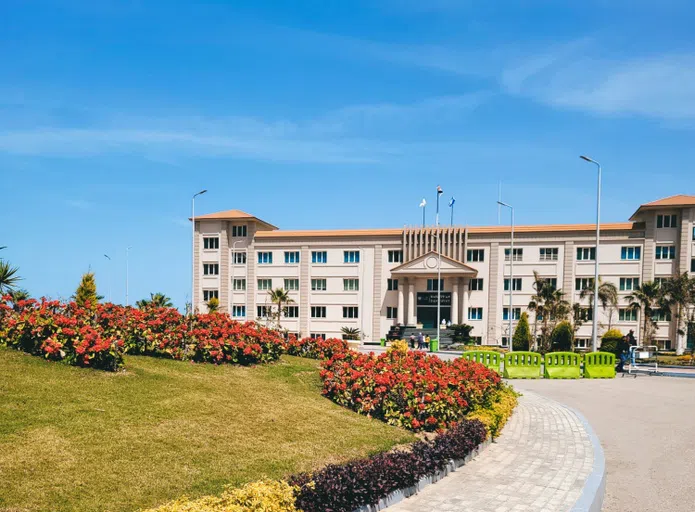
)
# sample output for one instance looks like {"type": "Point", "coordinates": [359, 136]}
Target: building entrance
{"type": "Point", "coordinates": [427, 315]}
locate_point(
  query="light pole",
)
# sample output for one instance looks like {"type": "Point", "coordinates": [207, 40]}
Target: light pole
{"type": "Point", "coordinates": [127, 254]}
{"type": "Point", "coordinates": [109, 274]}
{"type": "Point", "coordinates": [231, 306]}
{"type": "Point", "coordinates": [594, 335]}
{"type": "Point", "coordinates": [452, 201]}
{"type": "Point", "coordinates": [423, 205]}
{"type": "Point", "coordinates": [193, 247]}
{"type": "Point", "coordinates": [511, 277]}
{"type": "Point", "coordinates": [439, 268]}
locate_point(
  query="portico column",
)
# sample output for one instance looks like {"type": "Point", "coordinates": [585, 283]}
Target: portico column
{"type": "Point", "coordinates": [411, 303]}
{"type": "Point", "coordinates": [455, 301]}
{"type": "Point", "coordinates": [465, 299]}
{"type": "Point", "coordinates": [401, 304]}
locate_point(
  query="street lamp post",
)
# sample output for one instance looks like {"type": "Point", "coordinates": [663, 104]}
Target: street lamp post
{"type": "Point", "coordinates": [109, 274]}
{"type": "Point", "coordinates": [439, 268]}
{"type": "Point", "coordinates": [193, 246]}
{"type": "Point", "coordinates": [231, 306]}
{"type": "Point", "coordinates": [511, 277]}
{"type": "Point", "coordinates": [127, 256]}
{"type": "Point", "coordinates": [594, 335]}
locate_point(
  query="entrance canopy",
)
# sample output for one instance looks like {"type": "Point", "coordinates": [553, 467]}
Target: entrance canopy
{"type": "Point", "coordinates": [426, 266]}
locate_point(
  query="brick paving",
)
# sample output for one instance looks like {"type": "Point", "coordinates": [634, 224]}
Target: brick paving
{"type": "Point", "coordinates": [540, 463]}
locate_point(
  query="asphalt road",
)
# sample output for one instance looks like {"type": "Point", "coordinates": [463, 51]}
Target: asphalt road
{"type": "Point", "coordinates": [647, 429]}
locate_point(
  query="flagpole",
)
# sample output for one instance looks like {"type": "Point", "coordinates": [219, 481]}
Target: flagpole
{"type": "Point", "coordinates": [439, 269]}
{"type": "Point", "coordinates": [452, 215]}
{"type": "Point", "coordinates": [423, 216]}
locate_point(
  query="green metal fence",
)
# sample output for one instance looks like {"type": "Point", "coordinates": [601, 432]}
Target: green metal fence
{"type": "Point", "coordinates": [488, 358]}
{"type": "Point", "coordinates": [599, 365]}
{"type": "Point", "coordinates": [522, 365]}
{"type": "Point", "coordinates": [562, 365]}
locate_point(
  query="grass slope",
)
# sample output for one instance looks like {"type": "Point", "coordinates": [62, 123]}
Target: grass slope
{"type": "Point", "coordinates": [76, 439]}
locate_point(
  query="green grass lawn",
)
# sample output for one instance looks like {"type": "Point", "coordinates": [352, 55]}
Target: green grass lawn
{"type": "Point", "coordinates": [76, 439]}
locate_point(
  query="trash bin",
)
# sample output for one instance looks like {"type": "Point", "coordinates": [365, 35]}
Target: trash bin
{"type": "Point", "coordinates": [383, 342]}
{"type": "Point", "coordinates": [434, 345]}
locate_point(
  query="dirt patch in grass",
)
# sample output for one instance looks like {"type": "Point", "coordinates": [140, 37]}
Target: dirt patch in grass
{"type": "Point", "coordinates": [76, 439]}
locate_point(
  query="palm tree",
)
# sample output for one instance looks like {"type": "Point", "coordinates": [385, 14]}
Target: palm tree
{"type": "Point", "coordinates": [607, 297]}
{"type": "Point", "coordinates": [351, 333]}
{"type": "Point", "coordinates": [279, 296]}
{"type": "Point", "coordinates": [577, 319]}
{"type": "Point", "coordinates": [648, 300]}
{"type": "Point", "coordinates": [8, 277]}
{"type": "Point", "coordinates": [549, 306]}
{"type": "Point", "coordinates": [18, 295]}
{"type": "Point", "coordinates": [156, 300]}
{"type": "Point", "coordinates": [679, 293]}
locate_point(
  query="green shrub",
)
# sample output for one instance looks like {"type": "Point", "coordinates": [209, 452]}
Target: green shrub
{"type": "Point", "coordinates": [264, 495]}
{"type": "Point", "coordinates": [522, 335]}
{"type": "Point", "coordinates": [495, 416]}
{"type": "Point", "coordinates": [562, 337]}
{"type": "Point", "coordinates": [613, 341]}
{"type": "Point", "coordinates": [462, 333]}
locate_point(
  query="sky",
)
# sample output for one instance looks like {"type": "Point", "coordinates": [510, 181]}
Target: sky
{"type": "Point", "coordinates": [324, 114]}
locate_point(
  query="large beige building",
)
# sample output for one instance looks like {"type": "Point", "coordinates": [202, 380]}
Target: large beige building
{"type": "Point", "coordinates": [373, 279]}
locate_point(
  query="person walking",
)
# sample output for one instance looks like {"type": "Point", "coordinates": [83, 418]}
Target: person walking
{"type": "Point", "coordinates": [412, 340]}
{"type": "Point", "coordinates": [420, 341]}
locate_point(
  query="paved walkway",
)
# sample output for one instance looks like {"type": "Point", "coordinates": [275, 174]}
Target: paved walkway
{"type": "Point", "coordinates": [540, 463]}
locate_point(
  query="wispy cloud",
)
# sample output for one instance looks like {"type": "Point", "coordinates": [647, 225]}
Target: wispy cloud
{"type": "Point", "coordinates": [80, 204]}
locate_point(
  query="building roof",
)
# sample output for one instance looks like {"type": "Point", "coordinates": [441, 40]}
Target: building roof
{"type": "Point", "coordinates": [606, 226]}
{"type": "Point", "coordinates": [671, 201]}
{"type": "Point", "coordinates": [233, 215]}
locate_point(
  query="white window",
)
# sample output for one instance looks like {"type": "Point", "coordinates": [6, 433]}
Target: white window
{"type": "Point", "coordinates": [630, 253]}
{"type": "Point", "coordinates": [586, 314]}
{"type": "Point", "coordinates": [518, 254]}
{"type": "Point", "coordinates": [316, 335]}
{"type": "Point", "coordinates": [505, 341]}
{"type": "Point", "coordinates": [264, 311]}
{"type": "Point", "coordinates": [391, 312]}
{"type": "Point", "coordinates": [665, 252]}
{"type": "Point", "coordinates": [265, 284]}
{"type": "Point", "coordinates": [661, 315]}
{"type": "Point", "coordinates": [211, 242]}
{"type": "Point", "coordinates": [582, 343]}
{"type": "Point", "coordinates": [550, 281]}
{"type": "Point", "coordinates": [392, 284]}
{"type": "Point", "coordinates": [238, 311]}
{"type": "Point", "coordinates": [517, 284]}
{"type": "Point", "coordinates": [239, 258]}
{"type": "Point", "coordinates": [515, 316]}
{"type": "Point", "coordinates": [432, 285]}
{"type": "Point", "coordinates": [666, 221]}
{"type": "Point", "coordinates": [582, 283]}
{"type": "Point", "coordinates": [627, 315]}
{"type": "Point", "coordinates": [350, 312]}
{"type": "Point", "coordinates": [318, 311]}
{"type": "Point", "coordinates": [210, 294]}
{"type": "Point", "coordinates": [239, 231]}
{"type": "Point", "coordinates": [475, 313]}
{"type": "Point", "coordinates": [549, 253]}
{"type": "Point", "coordinates": [239, 285]}
{"type": "Point", "coordinates": [692, 265]}
{"type": "Point", "coordinates": [265, 258]}
{"type": "Point", "coordinates": [319, 257]}
{"type": "Point", "coordinates": [292, 285]}
{"type": "Point", "coordinates": [586, 253]}
{"type": "Point", "coordinates": [291, 257]}
{"type": "Point", "coordinates": [475, 255]}
{"type": "Point", "coordinates": [395, 256]}
{"type": "Point", "coordinates": [351, 256]}
{"type": "Point", "coordinates": [351, 285]}
{"type": "Point", "coordinates": [318, 285]}
{"type": "Point", "coordinates": [629, 283]}
{"type": "Point", "coordinates": [211, 269]}
{"type": "Point", "coordinates": [291, 311]}
{"type": "Point", "coordinates": [477, 284]}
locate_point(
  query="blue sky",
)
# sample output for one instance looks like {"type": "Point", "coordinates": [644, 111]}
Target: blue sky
{"type": "Point", "coordinates": [316, 114]}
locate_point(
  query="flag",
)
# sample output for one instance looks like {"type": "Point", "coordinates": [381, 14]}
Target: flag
{"type": "Point", "coordinates": [423, 203]}
{"type": "Point", "coordinates": [451, 203]}
{"type": "Point", "coordinates": [439, 190]}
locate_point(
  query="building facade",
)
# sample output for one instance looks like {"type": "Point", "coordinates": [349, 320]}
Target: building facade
{"type": "Point", "coordinates": [371, 279]}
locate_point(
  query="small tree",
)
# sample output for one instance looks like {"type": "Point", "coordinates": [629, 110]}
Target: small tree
{"type": "Point", "coordinates": [213, 305]}
{"type": "Point", "coordinates": [156, 300]}
{"type": "Point", "coordinates": [351, 333]}
{"type": "Point", "coordinates": [86, 292]}
{"type": "Point", "coordinates": [562, 337]}
{"type": "Point", "coordinates": [8, 277]}
{"type": "Point", "coordinates": [614, 342]}
{"type": "Point", "coordinates": [522, 334]}
{"type": "Point", "coordinates": [281, 297]}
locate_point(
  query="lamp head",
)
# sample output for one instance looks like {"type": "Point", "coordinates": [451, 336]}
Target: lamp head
{"type": "Point", "coordinates": [586, 158]}
{"type": "Point", "coordinates": [504, 204]}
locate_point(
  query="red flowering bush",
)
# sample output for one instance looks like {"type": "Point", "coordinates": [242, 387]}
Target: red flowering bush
{"type": "Point", "coordinates": [59, 331]}
{"type": "Point", "coordinates": [411, 390]}
{"type": "Point", "coordinates": [315, 348]}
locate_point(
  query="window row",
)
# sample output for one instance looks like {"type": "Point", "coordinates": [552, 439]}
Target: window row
{"type": "Point", "coordinates": [292, 284]}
